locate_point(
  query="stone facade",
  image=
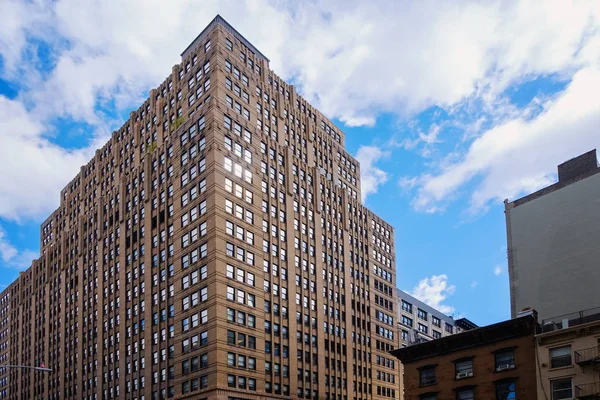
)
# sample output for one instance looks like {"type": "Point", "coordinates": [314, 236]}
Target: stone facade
{"type": "Point", "coordinates": [215, 247]}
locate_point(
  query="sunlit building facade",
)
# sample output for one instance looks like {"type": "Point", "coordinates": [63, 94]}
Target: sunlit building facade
{"type": "Point", "coordinates": [214, 248]}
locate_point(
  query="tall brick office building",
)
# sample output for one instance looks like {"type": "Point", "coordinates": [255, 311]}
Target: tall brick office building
{"type": "Point", "coordinates": [216, 247]}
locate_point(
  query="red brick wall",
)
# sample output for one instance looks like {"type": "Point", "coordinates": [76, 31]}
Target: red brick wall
{"type": "Point", "coordinates": [484, 374]}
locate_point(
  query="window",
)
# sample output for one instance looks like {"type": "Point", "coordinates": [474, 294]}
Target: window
{"type": "Point", "coordinates": [506, 391]}
{"type": "Point", "coordinates": [466, 394]}
{"type": "Point", "coordinates": [560, 357]}
{"type": "Point", "coordinates": [505, 359]}
{"type": "Point", "coordinates": [422, 328]}
{"type": "Point", "coordinates": [427, 376]}
{"type": "Point", "coordinates": [407, 321]}
{"type": "Point", "coordinates": [422, 314]}
{"type": "Point", "coordinates": [464, 369]}
{"type": "Point", "coordinates": [562, 389]}
{"type": "Point", "coordinates": [406, 306]}
{"type": "Point", "coordinates": [436, 321]}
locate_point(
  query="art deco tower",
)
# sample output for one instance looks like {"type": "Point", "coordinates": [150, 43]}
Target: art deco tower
{"type": "Point", "coordinates": [216, 247]}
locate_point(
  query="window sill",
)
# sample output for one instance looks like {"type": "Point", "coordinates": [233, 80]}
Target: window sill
{"type": "Point", "coordinates": [505, 370]}
{"type": "Point", "coordinates": [466, 377]}
{"type": "Point", "coordinates": [561, 368]}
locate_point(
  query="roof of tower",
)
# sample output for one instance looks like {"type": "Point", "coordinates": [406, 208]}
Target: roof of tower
{"type": "Point", "coordinates": [218, 20]}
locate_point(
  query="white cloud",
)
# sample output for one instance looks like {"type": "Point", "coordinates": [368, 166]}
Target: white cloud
{"type": "Point", "coordinates": [433, 291]}
{"type": "Point", "coordinates": [473, 284]}
{"type": "Point", "coordinates": [371, 177]}
{"type": "Point", "coordinates": [521, 154]}
{"type": "Point", "coordinates": [11, 257]}
{"type": "Point", "coordinates": [498, 270]}
{"type": "Point", "coordinates": [33, 170]}
{"type": "Point", "coordinates": [354, 60]}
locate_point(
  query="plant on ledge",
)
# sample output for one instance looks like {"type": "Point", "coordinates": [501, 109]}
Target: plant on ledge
{"type": "Point", "coordinates": [177, 123]}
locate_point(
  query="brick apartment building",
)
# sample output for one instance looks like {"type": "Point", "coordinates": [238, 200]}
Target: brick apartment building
{"type": "Point", "coordinates": [418, 323]}
{"type": "Point", "coordinates": [214, 248]}
{"type": "Point", "coordinates": [491, 362]}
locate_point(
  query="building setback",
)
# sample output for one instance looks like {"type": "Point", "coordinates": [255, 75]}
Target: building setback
{"type": "Point", "coordinates": [553, 237]}
{"type": "Point", "coordinates": [214, 248]}
{"type": "Point", "coordinates": [491, 362]}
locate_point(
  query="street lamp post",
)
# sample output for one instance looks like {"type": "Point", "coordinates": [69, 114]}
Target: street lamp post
{"type": "Point", "coordinates": [28, 367]}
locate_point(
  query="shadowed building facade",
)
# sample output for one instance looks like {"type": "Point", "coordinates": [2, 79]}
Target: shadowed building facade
{"type": "Point", "coordinates": [215, 247]}
{"type": "Point", "coordinates": [492, 362]}
{"type": "Point", "coordinates": [553, 237]}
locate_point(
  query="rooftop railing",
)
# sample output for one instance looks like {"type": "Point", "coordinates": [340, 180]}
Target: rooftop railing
{"type": "Point", "coordinates": [570, 320]}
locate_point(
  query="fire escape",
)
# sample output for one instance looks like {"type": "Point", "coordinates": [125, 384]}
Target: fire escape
{"type": "Point", "coordinates": [588, 359]}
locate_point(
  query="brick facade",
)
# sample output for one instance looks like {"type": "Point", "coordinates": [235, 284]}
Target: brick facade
{"type": "Point", "coordinates": [215, 247]}
{"type": "Point", "coordinates": [481, 346]}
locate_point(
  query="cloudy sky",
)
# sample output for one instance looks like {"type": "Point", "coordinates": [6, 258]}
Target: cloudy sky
{"type": "Point", "coordinates": [451, 107]}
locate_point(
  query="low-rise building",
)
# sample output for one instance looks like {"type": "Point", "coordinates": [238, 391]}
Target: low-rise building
{"type": "Point", "coordinates": [418, 322]}
{"type": "Point", "coordinates": [568, 356]}
{"type": "Point", "coordinates": [491, 362]}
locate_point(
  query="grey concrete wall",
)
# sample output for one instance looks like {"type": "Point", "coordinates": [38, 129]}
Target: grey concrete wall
{"type": "Point", "coordinates": [554, 250]}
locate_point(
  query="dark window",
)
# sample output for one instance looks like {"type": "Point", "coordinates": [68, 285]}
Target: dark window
{"type": "Point", "coordinates": [505, 360]}
{"type": "Point", "coordinates": [506, 391]}
{"type": "Point", "coordinates": [231, 380]}
{"type": "Point", "coordinates": [466, 394]}
{"type": "Point", "coordinates": [230, 337]}
{"type": "Point", "coordinates": [464, 369]}
{"type": "Point", "coordinates": [562, 389]}
{"type": "Point", "coordinates": [422, 314]}
{"type": "Point", "coordinates": [427, 376]}
{"type": "Point", "coordinates": [560, 357]}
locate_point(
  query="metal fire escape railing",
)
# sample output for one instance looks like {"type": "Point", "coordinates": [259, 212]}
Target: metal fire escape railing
{"type": "Point", "coordinates": [587, 356]}
{"type": "Point", "coordinates": [588, 391]}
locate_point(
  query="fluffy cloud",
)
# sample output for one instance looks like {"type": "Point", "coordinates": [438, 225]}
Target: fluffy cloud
{"type": "Point", "coordinates": [352, 59]}
{"type": "Point", "coordinates": [33, 170]}
{"type": "Point", "coordinates": [498, 270]}
{"type": "Point", "coordinates": [11, 257]}
{"type": "Point", "coordinates": [433, 291]}
{"type": "Point", "coordinates": [371, 177]}
{"type": "Point", "coordinates": [521, 154]}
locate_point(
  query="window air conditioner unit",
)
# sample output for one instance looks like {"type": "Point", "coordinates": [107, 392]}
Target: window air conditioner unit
{"type": "Point", "coordinates": [463, 375]}
{"type": "Point", "coordinates": [504, 367]}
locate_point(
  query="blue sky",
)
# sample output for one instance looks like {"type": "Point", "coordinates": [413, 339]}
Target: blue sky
{"type": "Point", "coordinates": [451, 107]}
